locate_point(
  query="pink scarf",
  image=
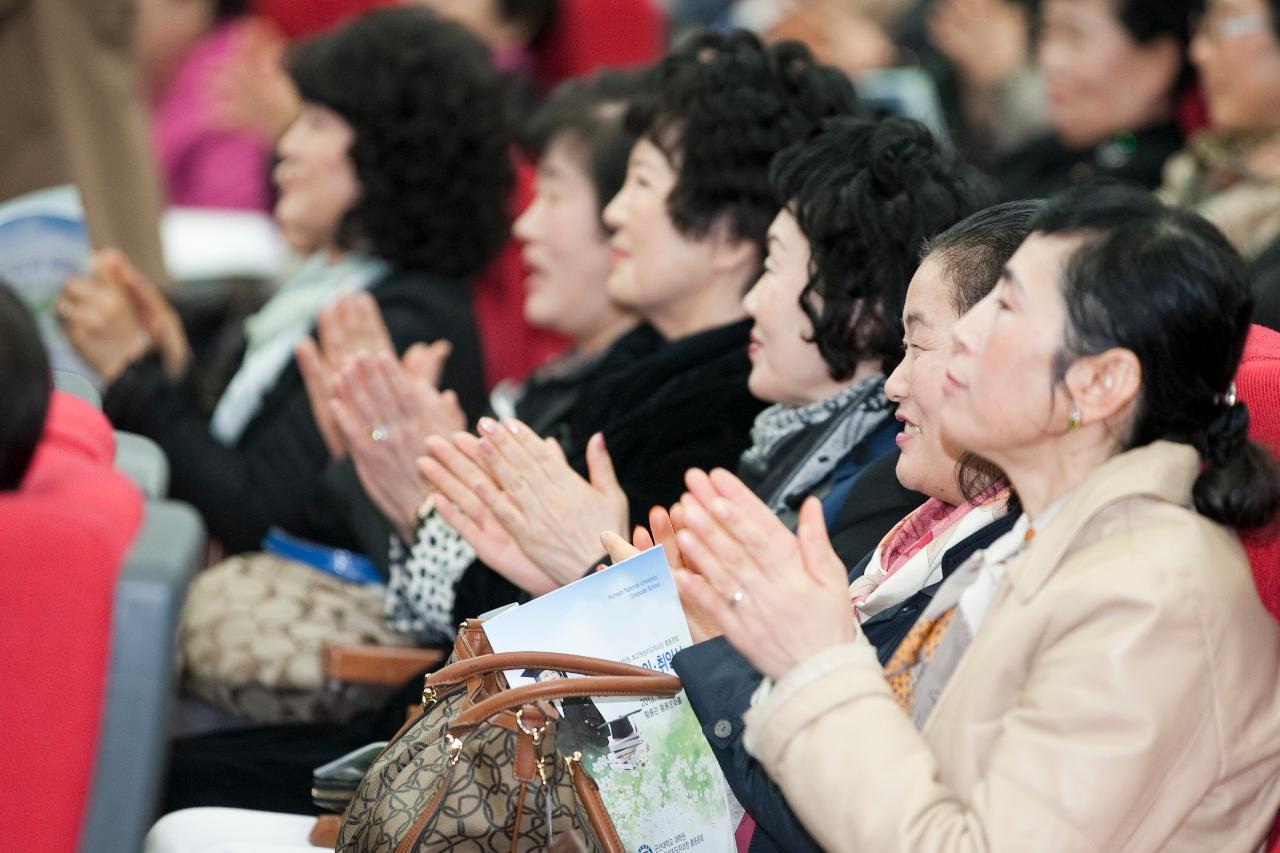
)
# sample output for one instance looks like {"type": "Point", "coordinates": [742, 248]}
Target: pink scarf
{"type": "Point", "coordinates": [918, 530]}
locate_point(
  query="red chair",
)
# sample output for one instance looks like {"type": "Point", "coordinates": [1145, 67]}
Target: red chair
{"type": "Point", "coordinates": [591, 34]}
{"type": "Point", "coordinates": [1258, 385]}
{"type": "Point", "coordinates": [297, 19]}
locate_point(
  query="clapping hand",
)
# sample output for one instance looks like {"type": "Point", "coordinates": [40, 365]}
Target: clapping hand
{"type": "Point", "coordinates": [384, 413]}
{"type": "Point", "coordinates": [115, 315]}
{"type": "Point", "coordinates": [989, 41]}
{"type": "Point", "coordinates": [663, 524]}
{"type": "Point", "coordinates": [463, 487]}
{"type": "Point", "coordinates": [251, 90]}
{"type": "Point", "coordinates": [779, 597]}
{"type": "Point", "coordinates": [349, 327]}
{"type": "Point", "coordinates": [551, 512]}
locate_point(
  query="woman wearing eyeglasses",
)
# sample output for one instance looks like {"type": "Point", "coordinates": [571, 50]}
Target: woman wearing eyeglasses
{"type": "Point", "coordinates": [1230, 173]}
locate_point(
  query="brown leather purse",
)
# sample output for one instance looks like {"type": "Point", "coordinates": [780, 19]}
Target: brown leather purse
{"type": "Point", "coordinates": [477, 767]}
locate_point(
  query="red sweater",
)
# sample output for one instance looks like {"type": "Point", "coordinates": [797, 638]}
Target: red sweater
{"type": "Point", "coordinates": [63, 537]}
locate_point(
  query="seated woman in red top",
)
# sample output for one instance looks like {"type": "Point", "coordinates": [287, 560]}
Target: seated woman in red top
{"type": "Point", "coordinates": [66, 522]}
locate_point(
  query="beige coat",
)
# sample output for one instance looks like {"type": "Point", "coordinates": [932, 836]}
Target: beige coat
{"type": "Point", "coordinates": [72, 113]}
{"type": "Point", "coordinates": [1121, 695]}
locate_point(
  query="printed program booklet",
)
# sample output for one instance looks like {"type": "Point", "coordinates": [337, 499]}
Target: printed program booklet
{"type": "Point", "coordinates": [657, 775]}
{"type": "Point", "coordinates": [42, 241]}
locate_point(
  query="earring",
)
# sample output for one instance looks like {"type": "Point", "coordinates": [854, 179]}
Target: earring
{"type": "Point", "coordinates": [1073, 419]}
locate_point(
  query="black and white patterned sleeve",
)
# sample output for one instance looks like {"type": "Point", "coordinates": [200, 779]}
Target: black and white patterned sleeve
{"type": "Point", "coordinates": [420, 592]}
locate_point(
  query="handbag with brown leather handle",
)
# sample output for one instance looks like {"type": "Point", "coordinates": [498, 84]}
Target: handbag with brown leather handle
{"type": "Point", "coordinates": [478, 769]}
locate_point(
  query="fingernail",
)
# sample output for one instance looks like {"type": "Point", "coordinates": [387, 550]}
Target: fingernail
{"type": "Point", "coordinates": [513, 427]}
{"type": "Point", "coordinates": [487, 426]}
{"type": "Point", "coordinates": [720, 507]}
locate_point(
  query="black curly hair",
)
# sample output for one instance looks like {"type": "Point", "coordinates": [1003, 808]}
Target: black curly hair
{"type": "Point", "coordinates": [866, 194]}
{"type": "Point", "coordinates": [24, 387]}
{"type": "Point", "coordinates": [720, 107]}
{"type": "Point", "coordinates": [431, 143]}
{"type": "Point", "coordinates": [589, 114]}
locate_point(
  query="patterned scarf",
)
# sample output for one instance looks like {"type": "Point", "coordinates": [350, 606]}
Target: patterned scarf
{"type": "Point", "coordinates": [1233, 180]}
{"type": "Point", "coordinates": [841, 422]}
{"type": "Point", "coordinates": [903, 564]}
{"type": "Point", "coordinates": [926, 659]}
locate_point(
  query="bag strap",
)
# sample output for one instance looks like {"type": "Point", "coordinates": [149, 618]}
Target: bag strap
{"type": "Point", "coordinates": [464, 670]}
{"type": "Point", "coordinates": [651, 684]}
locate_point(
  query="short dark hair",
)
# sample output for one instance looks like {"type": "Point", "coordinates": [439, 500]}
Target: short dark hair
{"type": "Point", "coordinates": [866, 194]}
{"type": "Point", "coordinates": [973, 253]}
{"type": "Point", "coordinates": [24, 387]}
{"type": "Point", "coordinates": [431, 143]}
{"type": "Point", "coordinates": [589, 114]}
{"type": "Point", "coordinates": [720, 107]}
{"type": "Point", "coordinates": [1147, 20]}
{"type": "Point", "coordinates": [1164, 283]}
{"type": "Point", "coordinates": [535, 17]}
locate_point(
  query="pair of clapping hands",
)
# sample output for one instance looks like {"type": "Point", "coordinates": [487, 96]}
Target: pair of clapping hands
{"type": "Point", "coordinates": [375, 407]}
{"type": "Point", "coordinates": [114, 315]}
{"type": "Point", "coordinates": [779, 597]}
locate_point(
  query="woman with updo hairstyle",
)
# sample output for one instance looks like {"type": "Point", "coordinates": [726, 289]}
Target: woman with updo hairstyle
{"type": "Point", "coordinates": [1113, 637]}
{"type": "Point", "coordinates": [393, 182]}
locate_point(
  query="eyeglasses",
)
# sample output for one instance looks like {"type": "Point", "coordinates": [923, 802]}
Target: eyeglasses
{"type": "Point", "coordinates": [1229, 27]}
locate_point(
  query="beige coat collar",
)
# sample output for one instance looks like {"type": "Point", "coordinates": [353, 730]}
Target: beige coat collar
{"type": "Point", "coordinates": [1163, 470]}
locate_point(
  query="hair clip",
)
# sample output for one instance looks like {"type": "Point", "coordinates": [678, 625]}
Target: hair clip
{"type": "Point", "coordinates": [1227, 399]}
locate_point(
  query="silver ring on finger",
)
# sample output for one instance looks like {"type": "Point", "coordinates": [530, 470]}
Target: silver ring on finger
{"type": "Point", "coordinates": [736, 599]}
{"type": "Point", "coordinates": [379, 433]}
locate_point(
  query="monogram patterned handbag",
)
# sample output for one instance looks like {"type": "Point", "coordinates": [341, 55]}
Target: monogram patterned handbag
{"type": "Point", "coordinates": [477, 769]}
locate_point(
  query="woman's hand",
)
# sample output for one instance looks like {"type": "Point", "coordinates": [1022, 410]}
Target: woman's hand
{"type": "Point", "coordinates": [349, 327]}
{"type": "Point", "coordinates": [549, 510]}
{"type": "Point", "coordinates": [384, 414]}
{"type": "Point", "coordinates": [100, 319]}
{"type": "Point", "coordinates": [781, 598]}
{"type": "Point", "coordinates": [251, 89]}
{"type": "Point", "coordinates": [463, 486]}
{"type": "Point", "coordinates": [989, 41]}
{"type": "Point", "coordinates": [158, 316]}
{"type": "Point", "coordinates": [702, 625]}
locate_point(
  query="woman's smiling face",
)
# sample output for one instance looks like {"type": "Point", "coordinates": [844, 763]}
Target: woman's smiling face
{"type": "Point", "coordinates": [927, 462]}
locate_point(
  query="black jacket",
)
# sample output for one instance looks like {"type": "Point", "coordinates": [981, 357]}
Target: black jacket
{"type": "Point", "coordinates": [719, 682]}
{"type": "Point", "coordinates": [270, 476]}
{"type": "Point", "coordinates": [663, 408]}
{"type": "Point", "coordinates": [1045, 166]}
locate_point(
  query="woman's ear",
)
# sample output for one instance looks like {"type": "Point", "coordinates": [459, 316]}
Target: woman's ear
{"type": "Point", "coordinates": [1106, 385]}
